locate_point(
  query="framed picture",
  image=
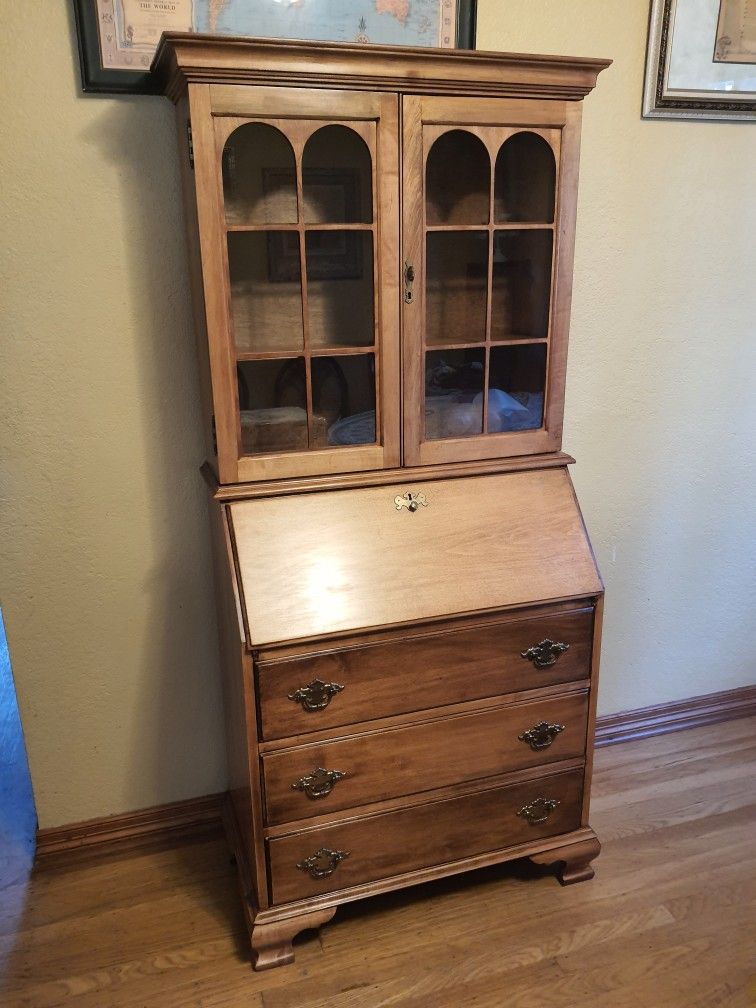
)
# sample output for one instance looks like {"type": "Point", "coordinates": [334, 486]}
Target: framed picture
{"type": "Point", "coordinates": [118, 38]}
{"type": "Point", "coordinates": [701, 60]}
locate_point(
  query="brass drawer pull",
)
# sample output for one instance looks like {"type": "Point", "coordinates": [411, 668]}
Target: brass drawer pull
{"type": "Point", "coordinates": [538, 811]}
{"type": "Point", "coordinates": [412, 501]}
{"type": "Point", "coordinates": [541, 735]}
{"type": "Point", "coordinates": [322, 863]}
{"type": "Point", "coordinates": [546, 653]}
{"type": "Point", "coordinates": [319, 783]}
{"type": "Point", "coordinates": [316, 695]}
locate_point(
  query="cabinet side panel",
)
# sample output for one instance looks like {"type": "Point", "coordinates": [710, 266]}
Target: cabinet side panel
{"type": "Point", "coordinates": [195, 272]}
{"type": "Point", "coordinates": [569, 166]}
{"type": "Point", "coordinates": [239, 704]}
{"type": "Point", "coordinates": [590, 742]}
{"type": "Point", "coordinates": [215, 281]}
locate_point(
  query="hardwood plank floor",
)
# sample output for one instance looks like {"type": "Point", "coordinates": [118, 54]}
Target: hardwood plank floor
{"type": "Point", "coordinates": [668, 922]}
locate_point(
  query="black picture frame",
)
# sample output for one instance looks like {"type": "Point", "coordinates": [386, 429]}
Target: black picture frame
{"type": "Point", "coordinates": [97, 79]}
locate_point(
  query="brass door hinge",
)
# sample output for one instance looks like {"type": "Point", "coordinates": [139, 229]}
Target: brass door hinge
{"type": "Point", "coordinates": [190, 144]}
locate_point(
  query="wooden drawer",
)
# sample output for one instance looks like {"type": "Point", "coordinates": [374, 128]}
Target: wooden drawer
{"type": "Point", "coordinates": [380, 846]}
{"type": "Point", "coordinates": [417, 673]}
{"type": "Point", "coordinates": [420, 757]}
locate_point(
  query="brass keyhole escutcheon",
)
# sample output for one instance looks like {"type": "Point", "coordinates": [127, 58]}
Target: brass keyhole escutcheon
{"type": "Point", "coordinates": [412, 501]}
{"type": "Point", "coordinates": [409, 279]}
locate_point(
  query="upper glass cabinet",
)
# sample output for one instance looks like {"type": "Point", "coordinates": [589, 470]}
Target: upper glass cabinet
{"type": "Point", "coordinates": [480, 237]}
{"type": "Point", "coordinates": [382, 293]}
{"type": "Point", "coordinates": [300, 213]}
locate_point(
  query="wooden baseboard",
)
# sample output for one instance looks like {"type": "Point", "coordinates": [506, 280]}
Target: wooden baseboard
{"type": "Point", "coordinates": [669, 717]}
{"type": "Point", "coordinates": [199, 815]}
{"type": "Point", "coordinates": [175, 820]}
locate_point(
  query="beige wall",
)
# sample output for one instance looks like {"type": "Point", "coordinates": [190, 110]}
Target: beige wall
{"type": "Point", "coordinates": [661, 384]}
{"type": "Point", "coordinates": [106, 582]}
{"type": "Point", "coordinates": [106, 579]}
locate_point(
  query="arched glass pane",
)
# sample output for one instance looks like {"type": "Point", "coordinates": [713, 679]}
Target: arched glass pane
{"type": "Point", "coordinates": [525, 180]}
{"type": "Point", "coordinates": [337, 178]}
{"type": "Point", "coordinates": [457, 180]}
{"type": "Point", "coordinates": [259, 178]}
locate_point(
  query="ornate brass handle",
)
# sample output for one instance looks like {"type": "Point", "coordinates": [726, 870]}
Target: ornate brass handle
{"type": "Point", "coordinates": [541, 735]}
{"type": "Point", "coordinates": [323, 862]}
{"type": "Point", "coordinates": [538, 811]}
{"type": "Point", "coordinates": [545, 654]}
{"type": "Point", "coordinates": [319, 783]}
{"type": "Point", "coordinates": [316, 695]}
{"type": "Point", "coordinates": [412, 501]}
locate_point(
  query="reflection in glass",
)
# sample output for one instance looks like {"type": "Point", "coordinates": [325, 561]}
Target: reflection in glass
{"type": "Point", "coordinates": [340, 287]}
{"type": "Point", "coordinates": [266, 292]}
{"type": "Point", "coordinates": [343, 397]}
{"type": "Point", "coordinates": [454, 393]}
{"type": "Point", "coordinates": [457, 180]}
{"type": "Point", "coordinates": [525, 178]}
{"type": "Point", "coordinates": [337, 178]}
{"type": "Point", "coordinates": [259, 181]}
{"type": "Point", "coordinates": [273, 405]}
{"type": "Point", "coordinates": [516, 383]}
{"type": "Point", "coordinates": [456, 286]}
{"type": "Point", "coordinates": [521, 289]}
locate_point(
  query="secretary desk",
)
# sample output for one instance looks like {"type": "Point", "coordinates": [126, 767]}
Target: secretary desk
{"type": "Point", "coordinates": [381, 249]}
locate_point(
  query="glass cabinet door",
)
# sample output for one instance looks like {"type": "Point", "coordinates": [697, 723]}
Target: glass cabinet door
{"type": "Point", "coordinates": [484, 320]}
{"type": "Point", "coordinates": [312, 340]}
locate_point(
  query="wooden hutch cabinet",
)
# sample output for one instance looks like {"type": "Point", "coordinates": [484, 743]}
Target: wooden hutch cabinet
{"type": "Point", "coordinates": [410, 610]}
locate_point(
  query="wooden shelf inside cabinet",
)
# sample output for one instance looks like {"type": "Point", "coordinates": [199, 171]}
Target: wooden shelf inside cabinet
{"type": "Point", "coordinates": [381, 242]}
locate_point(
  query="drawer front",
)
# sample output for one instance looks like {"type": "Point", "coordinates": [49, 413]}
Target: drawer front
{"type": "Point", "coordinates": [419, 757]}
{"type": "Point", "coordinates": [422, 672]}
{"type": "Point", "coordinates": [380, 846]}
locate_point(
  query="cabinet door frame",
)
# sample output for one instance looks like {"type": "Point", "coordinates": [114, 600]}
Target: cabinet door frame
{"type": "Point", "coordinates": [209, 105]}
{"type": "Point", "coordinates": [421, 114]}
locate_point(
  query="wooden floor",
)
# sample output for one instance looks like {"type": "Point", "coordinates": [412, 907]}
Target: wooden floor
{"type": "Point", "coordinates": [668, 922]}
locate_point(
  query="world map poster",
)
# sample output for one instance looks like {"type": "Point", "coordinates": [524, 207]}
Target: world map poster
{"type": "Point", "coordinates": [129, 30]}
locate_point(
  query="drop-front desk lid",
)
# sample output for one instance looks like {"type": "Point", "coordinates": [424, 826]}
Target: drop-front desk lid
{"type": "Point", "coordinates": [316, 564]}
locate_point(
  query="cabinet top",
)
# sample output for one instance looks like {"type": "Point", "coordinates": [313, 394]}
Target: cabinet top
{"type": "Point", "coordinates": [184, 58]}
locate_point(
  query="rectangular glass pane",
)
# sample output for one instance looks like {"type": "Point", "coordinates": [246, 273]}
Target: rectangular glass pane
{"type": "Point", "coordinates": [521, 285]}
{"type": "Point", "coordinates": [272, 405]}
{"type": "Point", "coordinates": [340, 288]}
{"type": "Point", "coordinates": [343, 398]}
{"type": "Point", "coordinates": [456, 286]}
{"type": "Point", "coordinates": [266, 290]}
{"type": "Point", "coordinates": [454, 393]}
{"type": "Point", "coordinates": [516, 383]}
